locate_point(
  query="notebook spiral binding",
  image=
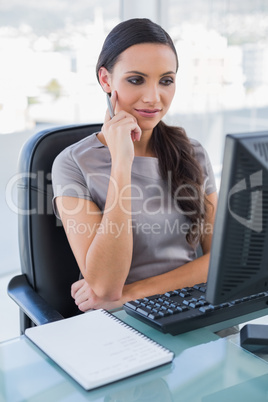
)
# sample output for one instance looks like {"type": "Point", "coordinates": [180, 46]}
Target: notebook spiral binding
{"type": "Point", "coordinates": [141, 335]}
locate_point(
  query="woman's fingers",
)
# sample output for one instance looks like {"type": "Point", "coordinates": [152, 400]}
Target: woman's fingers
{"type": "Point", "coordinates": [123, 118]}
{"type": "Point", "coordinates": [122, 123]}
{"type": "Point", "coordinates": [83, 294]}
{"type": "Point", "coordinates": [82, 298]}
{"type": "Point", "coordinates": [85, 306]}
{"type": "Point", "coordinates": [76, 287]}
{"type": "Point", "coordinates": [136, 134]}
{"type": "Point", "coordinates": [120, 132]}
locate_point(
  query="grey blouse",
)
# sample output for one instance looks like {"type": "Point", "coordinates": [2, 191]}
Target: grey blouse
{"type": "Point", "coordinates": [159, 227]}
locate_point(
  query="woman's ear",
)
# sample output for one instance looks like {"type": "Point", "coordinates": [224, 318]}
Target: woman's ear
{"type": "Point", "coordinates": [105, 79]}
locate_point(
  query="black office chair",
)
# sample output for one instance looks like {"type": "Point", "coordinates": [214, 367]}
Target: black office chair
{"type": "Point", "coordinates": [48, 266]}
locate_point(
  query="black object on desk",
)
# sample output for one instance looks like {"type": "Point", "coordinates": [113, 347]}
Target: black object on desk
{"type": "Point", "coordinates": [254, 337]}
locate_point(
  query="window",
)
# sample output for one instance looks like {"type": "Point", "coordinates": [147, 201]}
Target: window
{"type": "Point", "coordinates": [47, 74]}
{"type": "Point", "coordinates": [47, 77]}
{"type": "Point", "coordinates": [223, 76]}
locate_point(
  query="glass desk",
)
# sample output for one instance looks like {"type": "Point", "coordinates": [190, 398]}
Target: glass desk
{"type": "Point", "coordinates": [205, 368]}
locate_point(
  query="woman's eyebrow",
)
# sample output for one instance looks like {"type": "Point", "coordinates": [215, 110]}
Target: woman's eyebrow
{"type": "Point", "coordinates": [136, 72]}
{"type": "Point", "coordinates": [168, 73]}
{"type": "Point", "coordinates": [146, 75]}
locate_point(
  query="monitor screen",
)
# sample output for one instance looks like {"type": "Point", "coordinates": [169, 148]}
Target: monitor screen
{"type": "Point", "coordinates": [239, 257]}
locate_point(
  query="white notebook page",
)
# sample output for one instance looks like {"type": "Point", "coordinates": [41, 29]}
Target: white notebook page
{"type": "Point", "coordinates": [96, 348]}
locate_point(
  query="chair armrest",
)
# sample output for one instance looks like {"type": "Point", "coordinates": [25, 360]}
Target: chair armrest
{"type": "Point", "coordinates": [30, 302]}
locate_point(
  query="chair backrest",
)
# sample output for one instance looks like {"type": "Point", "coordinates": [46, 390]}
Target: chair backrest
{"type": "Point", "coordinates": [45, 254]}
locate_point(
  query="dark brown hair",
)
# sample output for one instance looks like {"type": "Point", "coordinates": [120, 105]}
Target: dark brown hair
{"type": "Point", "coordinates": [176, 158]}
{"type": "Point", "coordinates": [171, 145]}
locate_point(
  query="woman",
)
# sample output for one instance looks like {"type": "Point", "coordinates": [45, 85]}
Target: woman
{"type": "Point", "coordinates": [137, 198]}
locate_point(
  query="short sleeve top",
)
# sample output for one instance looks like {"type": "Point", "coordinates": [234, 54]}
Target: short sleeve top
{"type": "Point", "coordinates": [159, 227]}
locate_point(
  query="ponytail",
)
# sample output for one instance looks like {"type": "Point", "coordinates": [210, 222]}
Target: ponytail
{"type": "Point", "coordinates": [177, 160]}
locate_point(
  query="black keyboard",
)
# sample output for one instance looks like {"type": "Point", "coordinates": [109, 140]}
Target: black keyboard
{"type": "Point", "coordinates": [186, 309]}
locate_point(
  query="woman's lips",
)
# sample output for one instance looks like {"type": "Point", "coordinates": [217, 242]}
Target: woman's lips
{"type": "Point", "coordinates": [148, 112]}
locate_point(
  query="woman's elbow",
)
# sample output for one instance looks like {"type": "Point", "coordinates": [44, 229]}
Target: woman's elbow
{"type": "Point", "coordinates": [109, 294]}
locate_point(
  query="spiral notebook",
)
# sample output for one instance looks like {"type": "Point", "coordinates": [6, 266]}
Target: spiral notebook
{"type": "Point", "coordinates": [98, 348]}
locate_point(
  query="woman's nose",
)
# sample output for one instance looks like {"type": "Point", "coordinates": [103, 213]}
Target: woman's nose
{"type": "Point", "coordinates": [151, 94]}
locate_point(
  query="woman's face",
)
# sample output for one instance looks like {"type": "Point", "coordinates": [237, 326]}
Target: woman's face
{"type": "Point", "coordinates": [144, 78]}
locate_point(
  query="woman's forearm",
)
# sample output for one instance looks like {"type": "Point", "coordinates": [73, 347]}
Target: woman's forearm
{"type": "Point", "coordinates": [86, 299]}
{"type": "Point", "coordinates": [109, 256]}
{"type": "Point", "coordinates": [187, 275]}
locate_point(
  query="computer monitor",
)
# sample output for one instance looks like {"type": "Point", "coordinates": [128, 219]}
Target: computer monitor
{"type": "Point", "coordinates": [239, 258]}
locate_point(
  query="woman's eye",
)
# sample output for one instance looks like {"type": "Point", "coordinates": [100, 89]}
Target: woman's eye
{"type": "Point", "coordinates": [167, 81]}
{"type": "Point", "coordinates": [136, 80]}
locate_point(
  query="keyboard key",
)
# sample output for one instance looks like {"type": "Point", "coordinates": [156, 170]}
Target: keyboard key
{"type": "Point", "coordinates": [168, 294]}
{"type": "Point", "coordinates": [206, 309]}
{"type": "Point", "coordinates": [203, 303]}
{"type": "Point", "coordinates": [164, 313]}
{"type": "Point", "coordinates": [174, 310]}
{"type": "Point", "coordinates": [171, 311]}
{"type": "Point", "coordinates": [181, 309]}
{"type": "Point", "coordinates": [154, 316]}
{"type": "Point", "coordinates": [193, 304]}
{"type": "Point", "coordinates": [223, 305]}
{"type": "Point", "coordinates": [186, 302]}
{"type": "Point", "coordinates": [132, 304]}
{"type": "Point", "coordinates": [238, 301]}
{"type": "Point", "coordinates": [171, 294]}
{"type": "Point", "coordinates": [142, 311]}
